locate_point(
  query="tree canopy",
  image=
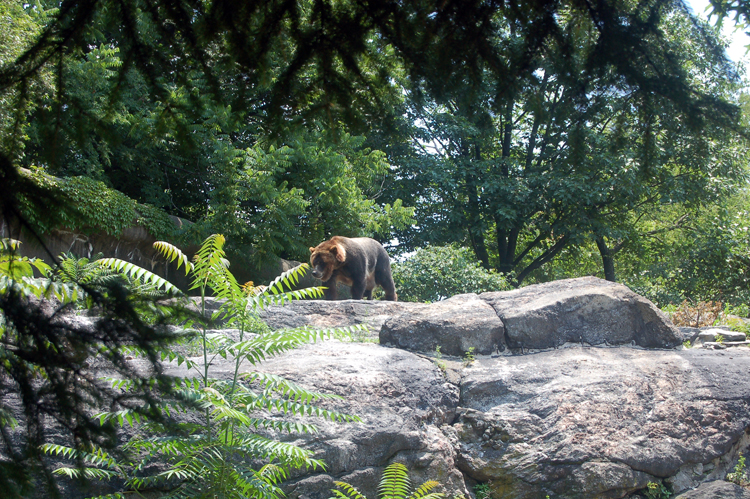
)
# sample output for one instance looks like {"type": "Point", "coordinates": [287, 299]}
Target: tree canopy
{"type": "Point", "coordinates": [533, 132]}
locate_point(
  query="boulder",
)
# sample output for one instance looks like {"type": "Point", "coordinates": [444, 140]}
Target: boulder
{"type": "Point", "coordinates": [324, 314]}
{"type": "Point", "coordinates": [402, 399]}
{"type": "Point", "coordinates": [584, 310]}
{"type": "Point", "coordinates": [710, 335]}
{"type": "Point", "coordinates": [572, 423]}
{"type": "Point", "coordinates": [456, 325]}
{"type": "Point", "coordinates": [717, 490]}
{"type": "Point", "coordinates": [601, 422]}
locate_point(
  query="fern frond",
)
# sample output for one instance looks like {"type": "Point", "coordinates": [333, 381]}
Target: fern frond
{"type": "Point", "coordinates": [95, 457]}
{"type": "Point", "coordinates": [287, 280]}
{"type": "Point", "coordinates": [348, 492]}
{"type": "Point", "coordinates": [172, 253]}
{"type": "Point", "coordinates": [135, 272]}
{"type": "Point", "coordinates": [423, 491]}
{"type": "Point", "coordinates": [264, 299]}
{"type": "Point", "coordinates": [395, 482]}
{"type": "Point", "coordinates": [290, 390]}
{"type": "Point", "coordinates": [257, 446]}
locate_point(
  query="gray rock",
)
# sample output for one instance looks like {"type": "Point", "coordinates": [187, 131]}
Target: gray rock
{"type": "Point", "coordinates": [324, 314]}
{"type": "Point", "coordinates": [456, 325]}
{"type": "Point", "coordinates": [587, 309]}
{"type": "Point", "coordinates": [710, 335]}
{"type": "Point", "coordinates": [598, 422]}
{"type": "Point", "coordinates": [403, 401]}
{"type": "Point", "coordinates": [689, 333]}
{"type": "Point", "coordinates": [717, 490]}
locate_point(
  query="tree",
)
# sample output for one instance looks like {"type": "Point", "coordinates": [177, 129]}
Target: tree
{"type": "Point", "coordinates": [553, 165]}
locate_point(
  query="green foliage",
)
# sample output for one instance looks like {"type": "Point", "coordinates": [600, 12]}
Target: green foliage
{"type": "Point", "coordinates": [657, 491]}
{"type": "Point", "coordinates": [436, 273]}
{"type": "Point", "coordinates": [394, 484]}
{"type": "Point", "coordinates": [17, 275]}
{"type": "Point", "coordinates": [45, 360]}
{"type": "Point", "coordinates": [739, 475]}
{"type": "Point", "coordinates": [739, 325]}
{"type": "Point", "coordinates": [233, 421]}
{"type": "Point", "coordinates": [482, 490]}
{"type": "Point", "coordinates": [469, 357]}
{"type": "Point", "coordinates": [91, 206]}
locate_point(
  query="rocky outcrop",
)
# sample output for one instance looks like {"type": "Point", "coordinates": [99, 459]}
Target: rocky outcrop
{"type": "Point", "coordinates": [325, 314]}
{"type": "Point", "coordinates": [599, 422]}
{"type": "Point", "coordinates": [717, 490]}
{"type": "Point", "coordinates": [456, 326]}
{"type": "Point", "coordinates": [403, 401]}
{"type": "Point", "coordinates": [586, 310]}
{"type": "Point", "coordinates": [598, 418]}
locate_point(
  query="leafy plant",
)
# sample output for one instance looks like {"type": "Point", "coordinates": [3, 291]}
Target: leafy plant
{"type": "Point", "coordinates": [17, 273]}
{"type": "Point", "coordinates": [439, 359]}
{"type": "Point", "coordinates": [211, 454]}
{"type": "Point", "coordinates": [394, 484]}
{"type": "Point", "coordinates": [97, 207]}
{"type": "Point", "coordinates": [687, 344]}
{"type": "Point", "coordinates": [737, 324]}
{"type": "Point", "coordinates": [482, 490]}
{"type": "Point", "coordinates": [469, 357]}
{"type": "Point", "coordinates": [439, 272]}
{"type": "Point", "coordinates": [657, 491]}
{"type": "Point", "coordinates": [739, 475]}
{"type": "Point", "coordinates": [719, 339]}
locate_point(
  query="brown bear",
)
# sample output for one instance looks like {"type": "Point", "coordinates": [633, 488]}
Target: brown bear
{"type": "Point", "coordinates": [360, 262]}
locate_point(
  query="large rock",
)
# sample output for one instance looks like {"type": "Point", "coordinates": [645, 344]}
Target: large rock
{"type": "Point", "coordinates": [585, 310]}
{"type": "Point", "coordinates": [601, 422]}
{"type": "Point", "coordinates": [325, 314]}
{"type": "Point", "coordinates": [456, 325]}
{"type": "Point", "coordinates": [403, 401]}
{"type": "Point", "coordinates": [717, 490]}
{"type": "Point", "coordinates": [572, 423]}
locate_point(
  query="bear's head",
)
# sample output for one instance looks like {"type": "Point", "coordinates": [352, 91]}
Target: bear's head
{"type": "Point", "coordinates": [325, 258]}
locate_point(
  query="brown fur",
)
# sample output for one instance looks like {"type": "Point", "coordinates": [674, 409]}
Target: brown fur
{"type": "Point", "coordinates": [361, 263]}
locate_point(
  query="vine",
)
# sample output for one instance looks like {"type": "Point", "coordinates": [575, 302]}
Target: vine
{"type": "Point", "coordinates": [95, 207]}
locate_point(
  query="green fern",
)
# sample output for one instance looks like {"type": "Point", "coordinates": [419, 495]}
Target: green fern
{"type": "Point", "coordinates": [211, 457]}
{"type": "Point", "coordinates": [394, 484]}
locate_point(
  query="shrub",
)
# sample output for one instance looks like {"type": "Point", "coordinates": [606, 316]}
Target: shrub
{"type": "Point", "coordinates": [703, 313]}
{"type": "Point", "coordinates": [439, 272]}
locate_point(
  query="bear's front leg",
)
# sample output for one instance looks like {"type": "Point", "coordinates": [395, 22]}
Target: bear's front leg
{"type": "Point", "coordinates": [330, 292]}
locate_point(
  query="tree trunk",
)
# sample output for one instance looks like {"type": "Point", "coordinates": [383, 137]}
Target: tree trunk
{"type": "Point", "coordinates": [608, 259]}
{"type": "Point", "coordinates": [474, 215]}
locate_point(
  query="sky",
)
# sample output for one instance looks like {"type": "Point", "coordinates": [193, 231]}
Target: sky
{"type": "Point", "coordinates": [736, 50]}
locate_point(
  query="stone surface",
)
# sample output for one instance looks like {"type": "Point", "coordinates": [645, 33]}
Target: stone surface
{"type": "Point", "coordinates": [456, 325]}
{"type": "Point", "coordinates": [717, 490]}
{"type": "Point", "coordinates": [577, 422]}
{"type": "Point", "coordinates": [707, 335]}
{"type": "Point", "coordinates": [323, 314]}
{"type": "Point", "coordinates": [599, 422]}
{"type": "Point", "coordinates": [403, 401]}
{"type": "Point", "coordinates": [587, 310]}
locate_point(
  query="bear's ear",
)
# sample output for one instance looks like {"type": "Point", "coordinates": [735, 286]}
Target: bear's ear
{"type": "Point", "coordinates": [312, 250]}
{"type": "Point", "coordinates": [339, 252]}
